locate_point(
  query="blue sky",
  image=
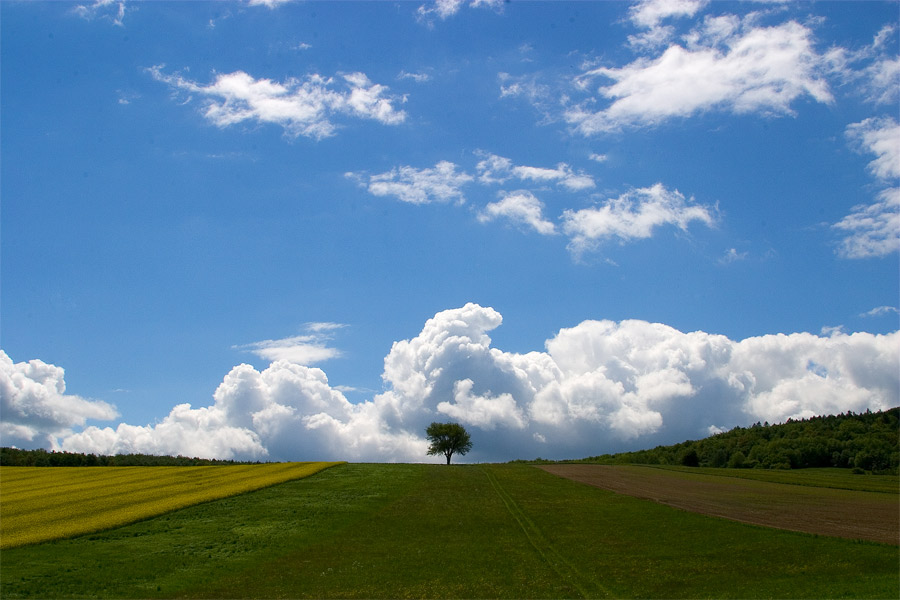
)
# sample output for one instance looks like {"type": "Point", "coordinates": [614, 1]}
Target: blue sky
{"type": "Point", "coordinates": [575, 227]}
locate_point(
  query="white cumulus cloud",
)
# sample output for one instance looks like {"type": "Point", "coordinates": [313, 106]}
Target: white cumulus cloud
{"type": "Point", "coordinates": [727, 66]}
{"type": "Point", "coordinates": [879, 136]}
{"type": "Point", "coordinates": [420, 186]}
{"type": "Point", "coordinates": [304, 107]}
{"type": "Point", "coordinates": [498, 169]}
{"type": "Point", "coordinates": [873, 230]}
{"type": "Point", "coordinates": [284, 411]}
{"type": "Point", "coordinates": [649, 13]}
{"type": "Point", "coordinates": [34, 406]}
{"type": "Point", "coordinates": [521, 208]}
{"type": "Point", "coordinates": [633, 215]}
{"type": "Point", "coordinates": [599, 386]}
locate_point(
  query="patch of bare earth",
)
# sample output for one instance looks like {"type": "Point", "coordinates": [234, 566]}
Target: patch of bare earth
{"type": "Point", "coordinates": [825, 511]}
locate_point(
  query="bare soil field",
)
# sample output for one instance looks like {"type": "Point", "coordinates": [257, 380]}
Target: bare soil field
{"type": "Point", "coordinates": [825, 511]}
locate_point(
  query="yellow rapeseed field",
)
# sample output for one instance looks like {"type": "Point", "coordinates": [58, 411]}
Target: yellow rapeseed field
{"type": "Point", "coordinates": [38, 504]}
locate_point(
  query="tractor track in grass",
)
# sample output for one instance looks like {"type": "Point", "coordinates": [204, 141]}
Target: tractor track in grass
{"type": "Point", "coordinates": [563, 568]}
{"type": "Point", "coordinates": [823, 511]}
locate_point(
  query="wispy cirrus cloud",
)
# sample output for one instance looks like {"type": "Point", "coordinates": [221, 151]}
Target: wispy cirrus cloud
{"type": "Point", "coordinates": [308, 349]}
{"type": "Point", "coordinates": [442, 183]}
{"type": "Point", "coordinates": [880, 311]}
{"type": "Point", "coordinates": [109, 10]}
{"type": "Point", "coordinates": [270, 4]}
{"type": "Point", "coordinates": [732, 256]}
{"type": "Point", "coordinates": [418, 77]}
{"type": "Point", "coordinates": [498, 169]}
{"type": "Point", "coordinates": [444, 9]}
{"type": "Point", "coordinates": [302, 107]}
{"type": "Point", "coordinates": [872, 70]}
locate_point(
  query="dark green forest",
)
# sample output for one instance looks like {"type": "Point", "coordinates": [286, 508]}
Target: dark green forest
{"type": "Point", "coordinates": [13, 457]}
{"type": "Point", "coordinates": [866, 442]}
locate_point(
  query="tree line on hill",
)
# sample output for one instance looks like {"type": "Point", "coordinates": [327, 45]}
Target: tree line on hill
{"type": "Point", "coordinates": [867, 441]}
{"type": "Point", "coordinates": [14, 457]}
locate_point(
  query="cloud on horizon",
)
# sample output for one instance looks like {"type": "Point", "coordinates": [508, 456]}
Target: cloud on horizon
{"type": "Point", "coordinates": [35, 408]}
{"type": "Point", "coordinates": [600, 386]}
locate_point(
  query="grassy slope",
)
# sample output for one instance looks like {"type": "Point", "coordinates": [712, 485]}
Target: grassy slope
{"type": "Point", "coordinates": [433, 531]}
{"type": "Point", "coordinates": [841, 479]}
{"type": "Point", "coordinates": [46, 503]}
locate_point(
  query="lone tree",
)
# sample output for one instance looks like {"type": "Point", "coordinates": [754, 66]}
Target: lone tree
{"type": "Point", "coordinates": [447, 438]}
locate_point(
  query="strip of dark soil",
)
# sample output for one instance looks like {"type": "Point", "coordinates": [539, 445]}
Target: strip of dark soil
{"type": "Point", "coordinates": [824, 511]}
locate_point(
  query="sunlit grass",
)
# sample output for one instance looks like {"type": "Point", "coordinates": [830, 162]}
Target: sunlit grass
{"type": "Point", "coordinates": [38, 504]}
{"type": "Point", "coordinates": [843, 479]}
{"type": "Point", "coordinates": [432, 531]}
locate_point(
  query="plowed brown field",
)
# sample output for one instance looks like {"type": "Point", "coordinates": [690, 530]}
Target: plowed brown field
{"type": "Point", "coordinates": [825, 511]}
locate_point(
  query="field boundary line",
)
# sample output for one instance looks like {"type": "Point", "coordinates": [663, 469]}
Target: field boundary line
{"type": "Point", "coordinates": [850, 514]}
{"type": "Point", "coordinates": [544, 548]}
{"type": "Point", "coordinates": [101, 506]}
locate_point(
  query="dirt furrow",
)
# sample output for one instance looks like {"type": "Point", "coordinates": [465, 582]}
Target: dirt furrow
{"type": "Point", "coordinates": [824, 511]}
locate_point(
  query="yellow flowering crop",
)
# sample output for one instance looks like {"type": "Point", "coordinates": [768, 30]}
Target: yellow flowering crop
{"type": "Point", "coordinates": [38, 504]}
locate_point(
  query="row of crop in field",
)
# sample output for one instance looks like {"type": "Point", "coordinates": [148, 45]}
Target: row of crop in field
{"type": "Point", "coordinates": [40, 503]}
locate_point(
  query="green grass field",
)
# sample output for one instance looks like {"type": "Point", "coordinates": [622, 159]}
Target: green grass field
{"type": "Point", "coordinates": [489, 531]}
{"type": "Point", "coordinates": [841, 479]}
{"type": "Point", "coordinates": [41, 504]}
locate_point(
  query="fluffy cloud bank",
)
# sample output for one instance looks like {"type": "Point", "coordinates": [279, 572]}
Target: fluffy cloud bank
{"type": "Point", "coordinates": [302, 107]}
{"type": "Point", "coordinates": [34, 407]}
{"type": "Point", "coordinates": [596, 387]}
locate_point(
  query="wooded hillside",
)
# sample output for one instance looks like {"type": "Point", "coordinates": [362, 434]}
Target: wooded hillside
{"type": "Point", "coordinates": [13, 457]}
{"type": "Point", "coordinates": [867, 441]}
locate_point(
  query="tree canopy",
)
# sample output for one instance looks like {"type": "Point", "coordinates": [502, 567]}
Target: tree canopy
{"type": "Point", "coordinates": [448, 439]}
{"type": "Point", "coordinates": [865, 441]}
{"type": "Point", "coordinates": [14, 457]}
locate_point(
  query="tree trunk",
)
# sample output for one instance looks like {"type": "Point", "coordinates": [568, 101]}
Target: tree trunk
{"type": "Point", "coordinates": [448, 457]}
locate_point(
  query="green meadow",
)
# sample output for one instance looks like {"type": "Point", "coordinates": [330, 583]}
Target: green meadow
{"type": "Point", "coordinates": [433, 531]}
{"type": "Point", "coordinates": [831, 477]}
